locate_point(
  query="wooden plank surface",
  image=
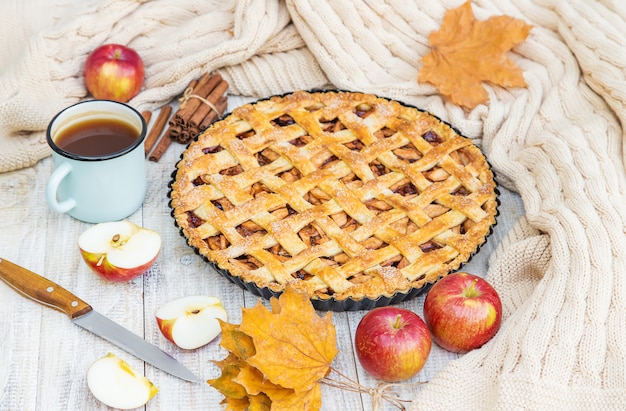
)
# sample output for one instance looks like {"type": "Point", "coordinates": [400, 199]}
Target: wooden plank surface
{"type": "Point", "coordinates": [45, 357]}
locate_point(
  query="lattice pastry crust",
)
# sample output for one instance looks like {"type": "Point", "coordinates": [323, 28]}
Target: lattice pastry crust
{"type": "Point", "coordinates": [342, 195]}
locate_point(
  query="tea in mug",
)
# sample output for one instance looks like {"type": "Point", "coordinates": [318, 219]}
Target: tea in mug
{"type": "Point", "coordinates": [97, 137]}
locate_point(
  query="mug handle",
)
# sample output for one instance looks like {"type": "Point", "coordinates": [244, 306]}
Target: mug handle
{"type": "Point", "coordinates": [53, 186]}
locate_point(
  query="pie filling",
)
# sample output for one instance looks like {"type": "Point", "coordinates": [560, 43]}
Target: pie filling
{"type": "Point", "coordinates": [342, 195]}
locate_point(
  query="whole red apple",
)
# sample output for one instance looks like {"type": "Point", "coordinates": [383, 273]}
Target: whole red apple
{"type": "Point", "coordinates": [462, 311]}
{"type": "Point", "coordinates": [114, 72]}
{"type": "Point", "coordinates": [392, 344]}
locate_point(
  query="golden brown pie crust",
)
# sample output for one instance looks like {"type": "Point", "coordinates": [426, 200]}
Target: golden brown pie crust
{"type": "Point", "coordinates": [343, 195]}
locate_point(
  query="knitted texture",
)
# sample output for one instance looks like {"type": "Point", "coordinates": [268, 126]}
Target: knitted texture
{"type": "Point", "coordinates": [559, 145]}
{"type": "Point", "coordinates": [560, 271]}
{"type": "Point", "coordinates": [258, 50]}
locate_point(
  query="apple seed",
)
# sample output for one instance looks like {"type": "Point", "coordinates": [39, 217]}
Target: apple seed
{"type": "Point", "coordinates": [119, 250]}
{"type": "Point", "coordinates": [115, 241]}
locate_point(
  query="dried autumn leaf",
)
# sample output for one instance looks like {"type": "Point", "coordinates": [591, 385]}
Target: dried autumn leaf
{"type": "Point", "coordinates": [310, 400]}
{"type": "Point", "coordinates": [260, 402]}
{"type": "Point", "coordinates": [466, 52]}
{"type": "Point", "coordinates": [278, 358]}
{"type": "Point", "coordinates": [230, 366]}
{"type": "Point", "coordinates": [255, 383]}
{"type": "Point", "coordinates": [237, 396]}
{"type": "Point", "coordinates": [294, 346]}
{"type": "Point", "coordinates": [282, 399]}
{"type": "Point", "coordinates": [235, 341]}
{"type": "Point", "coordinates": [237, 404]}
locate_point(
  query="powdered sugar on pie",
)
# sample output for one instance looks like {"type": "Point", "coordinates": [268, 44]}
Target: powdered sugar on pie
{"type": "Point", "coordinates": [344, 196]}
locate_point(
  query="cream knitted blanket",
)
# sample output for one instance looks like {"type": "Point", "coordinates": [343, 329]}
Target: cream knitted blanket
{"type": "Point", "coordinates": [561, 272]}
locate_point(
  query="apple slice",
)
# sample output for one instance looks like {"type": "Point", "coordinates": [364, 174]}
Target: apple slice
{"type": "Point", "coordinates": [191, 322]}
{"type": "Point", "coordinates": [119, 250]}
{"type": "Point", "coordinates": [113, 382]}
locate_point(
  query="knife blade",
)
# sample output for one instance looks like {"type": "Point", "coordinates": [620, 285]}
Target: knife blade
{"type": "Point", "coordinates": [48, 293]}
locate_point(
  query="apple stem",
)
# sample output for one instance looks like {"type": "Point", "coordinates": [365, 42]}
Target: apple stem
{"type": "Point", "coordinates": [471, 290]}
{"type": "Point", "coordinates": [398, 324]}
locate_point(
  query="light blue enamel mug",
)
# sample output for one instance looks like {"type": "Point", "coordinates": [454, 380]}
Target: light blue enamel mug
{"type": "Point", "coordinates": [106, 179]}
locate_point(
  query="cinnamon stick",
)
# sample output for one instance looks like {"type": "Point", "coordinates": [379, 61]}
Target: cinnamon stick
{"type": "Point", "coordinates": [203, 102]}
{"type": "Point", "coordinates": [204, 109]}
{"type": "Point", "coordinates": [185, 135]}
{"type": "Point", "coordinates": [210, 118]}
{"type": "Point", "coordinates": [161, 147]}
{"type": "Point", "coordinates": [204, 86]}
{"type": "Point", "coordinates": [177, 119]}
{"type": "Point", "coordinates": [157, 127]}
{"type": "Point", "coordinates": [147, 115]}
{"type": "Point", "coordinates": [174, 131]}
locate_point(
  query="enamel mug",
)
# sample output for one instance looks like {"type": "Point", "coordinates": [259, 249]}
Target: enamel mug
{"type": "Point", "coordinates": [105, 178]}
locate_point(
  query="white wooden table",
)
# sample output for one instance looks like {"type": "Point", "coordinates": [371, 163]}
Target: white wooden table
{"type": "Point", "coordinates": [44, 357]}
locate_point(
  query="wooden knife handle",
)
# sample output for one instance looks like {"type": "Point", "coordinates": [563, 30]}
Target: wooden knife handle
{"type": "Point", "coordinates": [42, 290]}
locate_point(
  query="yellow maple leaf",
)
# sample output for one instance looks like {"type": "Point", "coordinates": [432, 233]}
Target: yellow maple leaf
{"type": "Point", "coordinates": [277, 356]}
{"type": "Point", "coordinates": [260, 402]}
{"type": "Point", "coordinates": [237, 404]}
{"type": "Point", "coordinates": [467, 52]}
{"type": "Point", "coordinates": [230, 366]}
{"type": "Point", "coordinates": [235, 341]}
{"type": "Point", "coordinates": [233, 384]}
{"type": "Point", "coordinates": [282, 399]}
{"type": "Point", "coordinates": [310, 400]}
{"type": "Point", "coordinates": [294, 346]}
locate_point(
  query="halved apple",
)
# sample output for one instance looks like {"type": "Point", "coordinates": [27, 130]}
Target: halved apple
{"type": "Point", "coordinates": [191, 322]}
{"type": "Point", "coordinates": [113, 382]}
{"type": "Point", "coordinates": [119, 250]}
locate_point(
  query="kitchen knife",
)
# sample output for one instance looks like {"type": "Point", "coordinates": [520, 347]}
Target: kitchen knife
{"type": "Point", "coordinates": [53, 295]}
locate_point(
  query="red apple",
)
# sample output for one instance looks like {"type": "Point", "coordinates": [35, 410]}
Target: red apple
{"type": "Point", "coordinates": [462, 311]}
{"type": "Point", "coordinates": [392, 344]}
{"type": "Point", "coordinates": [119, 250]}
{"type": "Point", "coordinates": [114, 72]}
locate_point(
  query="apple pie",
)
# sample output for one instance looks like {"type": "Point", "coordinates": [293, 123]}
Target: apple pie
{"type": "Point", "coordinates": [345, 196]}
